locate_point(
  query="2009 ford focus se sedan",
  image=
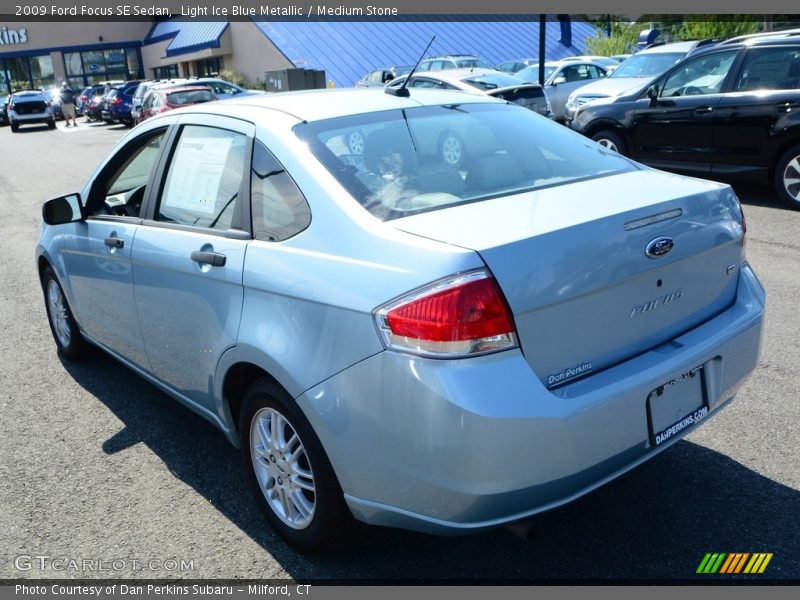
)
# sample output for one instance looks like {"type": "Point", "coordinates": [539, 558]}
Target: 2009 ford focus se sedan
{"type": "Point", "coordinates": [439, 312]}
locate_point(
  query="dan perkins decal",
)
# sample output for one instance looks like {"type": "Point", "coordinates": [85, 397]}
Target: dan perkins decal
{"type": "Point", "coordinates": [568, 374]}
{"type": "Point", "coordinates": [10, 37]}
{"type": "Point", "coordinates": [687, 421]}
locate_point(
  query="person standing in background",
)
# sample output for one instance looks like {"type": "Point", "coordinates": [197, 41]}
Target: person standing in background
{"type": "Point", "coordinates": [68, 103]}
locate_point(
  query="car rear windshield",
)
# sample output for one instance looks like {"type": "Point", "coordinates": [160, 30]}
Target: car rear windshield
{"type": "Point", "coordinates": [647, 65]}
{"type": "Point", "coordinates": [402, 162]}
{"type": "Point", "coordinates": [190, 97]}
{"type": "Point", "coordinates": [492, 81]}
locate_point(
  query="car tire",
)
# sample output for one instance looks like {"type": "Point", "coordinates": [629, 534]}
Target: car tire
{"type": "Point", "coordinates": [787, 178]}
{"type": "Point", "coordinates": [611, 140]}
{"type": "Point", "coordinates": [452, 150]}
{"type": "Point", "coordinates": [307, 509]}
{"type": "Point", "coordinates": [51, 124]}
{"type": "Point", "coordinates": [14, 127]}
{"type": "Point", "coordinates": [356, 142]}
{"type": "Point", "coordinates": [66, 333]}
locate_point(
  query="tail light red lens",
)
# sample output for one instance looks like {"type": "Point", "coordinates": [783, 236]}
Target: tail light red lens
{"type": "Point", "coordinates": [11, 106]}
{"type": "Point", "coordinates": [117, 101]}
{"type": "Point", "coordinates": [459, 316]}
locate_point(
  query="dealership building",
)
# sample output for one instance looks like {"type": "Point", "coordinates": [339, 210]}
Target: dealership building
{"type": "Point", "coordinates": [43, 54]}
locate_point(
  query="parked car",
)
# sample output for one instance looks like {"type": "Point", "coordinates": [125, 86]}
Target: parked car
{"type": "Point", "coordinates": [609, 63]}
{"type": "Point", "coordinates": [395, 340]}
{"type": "Point", "coordinates": [4, 110]}
{"type": "Point", "coordinates": [118, 103]}
{"type": "Point", "coordinates": [161, 99]}
{"type": "Point", "coordinates": [732, 110]}
{"type": "Point", "coordinates": [54, 97]}
{"type": "Point", "coordinates": [487, 82]}
{"type": "Point", "coordinates": [92, 107]}
{"type": "Point", "coordinates": [638, 70]}
{"type": "Point", "coordinates": [562, 78]}
{"type": "Point", "coordinates": [380, 77]}
{"type": "Point", "coordinates": [453, 61]}
{"type": "Point", "coordinates": [222, 89]}
{"type": "Point", "coordinates": [621, 57]}
{"type": "Point", "coordinates": [513, 66]}
{"type": "Point", "coordinates": [27, 107]}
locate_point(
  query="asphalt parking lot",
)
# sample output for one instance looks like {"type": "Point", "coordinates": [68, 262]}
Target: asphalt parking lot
{"type": "Point", "coordinates": [98, 465]}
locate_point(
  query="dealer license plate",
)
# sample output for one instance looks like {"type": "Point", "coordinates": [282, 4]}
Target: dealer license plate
{"type": "Point", "coordinates": [676, 406]}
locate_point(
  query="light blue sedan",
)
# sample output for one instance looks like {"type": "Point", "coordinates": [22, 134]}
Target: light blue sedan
{"type": "Point", "coordinates": [395, 339]}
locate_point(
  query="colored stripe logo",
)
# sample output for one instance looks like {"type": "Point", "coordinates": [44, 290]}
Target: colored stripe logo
{"type": "Point", "coordinates": [730, 563]}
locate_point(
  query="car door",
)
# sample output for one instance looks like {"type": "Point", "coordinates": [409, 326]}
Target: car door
{"type": "Point", "coordinates": [759, 117]}
{"type": "Point", "coordinates": [98, 258]}
{"type": "Point", "coordinates": [566, 81]}
{"type": "Point", "coordinates": [189, 253]}
{"type": "Point", "coordinates": [674, 130]}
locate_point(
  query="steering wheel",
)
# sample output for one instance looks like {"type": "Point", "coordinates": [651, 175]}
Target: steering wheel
{"type": "Point", "coordinates": [691, 90]}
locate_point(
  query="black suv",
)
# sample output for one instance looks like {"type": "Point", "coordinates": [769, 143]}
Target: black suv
{"type": "Point", "coordinates": [729, 110]}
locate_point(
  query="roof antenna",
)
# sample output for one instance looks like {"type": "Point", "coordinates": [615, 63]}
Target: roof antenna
{"type": "Point", "coordinates": [401, 89]}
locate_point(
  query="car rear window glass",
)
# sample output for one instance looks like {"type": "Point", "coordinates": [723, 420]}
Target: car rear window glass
{"type": "Point", "coordinates": [770, 69]}
{"type": "Point", "coordinates": [428, 158]}
{"type": "Point", "coordinates": [190, 97]}
{"type": "Point", "coordinates": [491, 82]}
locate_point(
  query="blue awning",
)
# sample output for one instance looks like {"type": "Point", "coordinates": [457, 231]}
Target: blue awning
{"type": "Point", "coordinates": [187, 36]}
{"type": "Point", "coordinates": [349, 50]}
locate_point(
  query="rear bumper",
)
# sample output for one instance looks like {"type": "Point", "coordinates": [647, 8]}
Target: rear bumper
{"type": "Point", "coordinates": [44, 117]}
{"type": "Point", "coordinates": [461, 446]}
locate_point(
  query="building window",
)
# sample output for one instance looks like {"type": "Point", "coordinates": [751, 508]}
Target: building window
{"type": "Point", "coordinates": [208, 67]}
{"type": "Point", "coordinates": [95, 66]}
{"type": "Point", "coordinates": [167, 72]}
{"type": "Point", "coordinates": [26, 73]}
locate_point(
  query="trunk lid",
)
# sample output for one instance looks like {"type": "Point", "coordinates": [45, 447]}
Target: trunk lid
{"type": "Point", "coordinates": [571, 262]}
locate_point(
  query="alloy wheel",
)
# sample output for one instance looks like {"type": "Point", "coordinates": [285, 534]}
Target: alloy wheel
{"type": "Point", "coordinates": [282, 468]}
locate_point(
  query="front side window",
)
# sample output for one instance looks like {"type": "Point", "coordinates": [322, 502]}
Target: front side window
{"type": "Point", "coordinates": [203, 178]}
{"type": "Point", "coordinates": [647, 65]}
{"type": "Point", "coordinates": [700, 76]}
{"type": "Point", "coordinates": [427, 158]}
{"type": "Point", "coordinates": [120, 190]}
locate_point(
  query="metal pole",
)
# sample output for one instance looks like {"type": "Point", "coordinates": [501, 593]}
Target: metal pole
{"type": "Point", "coordinates": [542, 34]}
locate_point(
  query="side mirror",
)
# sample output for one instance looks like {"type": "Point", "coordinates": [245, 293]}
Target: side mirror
{"type": "Point", "coordinates": [64, 209]}
{"type": "Point", "coordinates": [652, 93]}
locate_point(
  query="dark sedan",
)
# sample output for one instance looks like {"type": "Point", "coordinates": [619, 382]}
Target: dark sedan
{"type": "Point", "coordinates": [729, 111]}
{"type": "Point", "coordinates": [4, 110]}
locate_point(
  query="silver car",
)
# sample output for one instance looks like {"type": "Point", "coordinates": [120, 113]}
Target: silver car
{"type": "Point", "coordinates": [562, 78]}
{"type": "Point", "coordinates": [397, 340]}
{"type": "Point", "coordinates": [29, 107]}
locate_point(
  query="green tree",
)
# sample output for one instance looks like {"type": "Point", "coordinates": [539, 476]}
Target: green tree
{"type": "Point", "coordinates": [622, 40]}
{"type": "Point", "coordinates": [700, 27]}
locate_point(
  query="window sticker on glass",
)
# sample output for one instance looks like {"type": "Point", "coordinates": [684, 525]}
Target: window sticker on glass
{"type": "Point", "coordinates": [196, 173]}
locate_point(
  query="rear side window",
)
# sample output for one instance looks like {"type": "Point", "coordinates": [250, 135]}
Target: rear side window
{"type": "Point", "coordinates": [279, 208]}
{"type": "Point", "coordinates": [770, 69]}
{"type": "Point", "coordinates": [204, 178]}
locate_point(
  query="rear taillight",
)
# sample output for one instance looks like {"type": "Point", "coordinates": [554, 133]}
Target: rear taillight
{"type": "Point", "coordinates": [116, 101]}
{"type": "Point", "coordinates": [164, 109]}
{"type": "Point", "coordinates": [463, 315]}
{"type": "Point", "coordinates": [11, 106]}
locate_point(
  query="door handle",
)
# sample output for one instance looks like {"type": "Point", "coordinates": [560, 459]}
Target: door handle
{"type": "Point", "coordinates": [788, 105]}
{"type": "Point", "coordinates": [114, 242]}
{"type": "Point", "coordinates": [215, 259]}
{"type": "Point", "coordinates": [703, 109]}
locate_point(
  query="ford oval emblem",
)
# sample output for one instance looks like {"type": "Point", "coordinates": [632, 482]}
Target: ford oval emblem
{"type": "Point", "coordinates": [659, 247]}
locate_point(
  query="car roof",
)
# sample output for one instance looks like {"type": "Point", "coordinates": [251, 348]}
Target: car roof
{"type": "Point", "coordinates": [674, 47]}
{"type": "Point", "coordinates": [317, 105]}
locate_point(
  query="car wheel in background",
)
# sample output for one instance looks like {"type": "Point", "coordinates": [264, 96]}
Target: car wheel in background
{"type": "Point", "coordinates": [451, 149]}
{"type": "Point", "coordinates": [611, 140]}
{"type": "Point", "coordinates": [289, 471]}
{"type": "Point", "coordinates": [15, 127]}
{"type": "Point", "coordinates": [787, 178]}
{"type": "Point", "coordinates": [66, 333]}
{"type": "Point", "coordinates": [356, 142]}
{"type": "Point", "coordinates": [51, 124]}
